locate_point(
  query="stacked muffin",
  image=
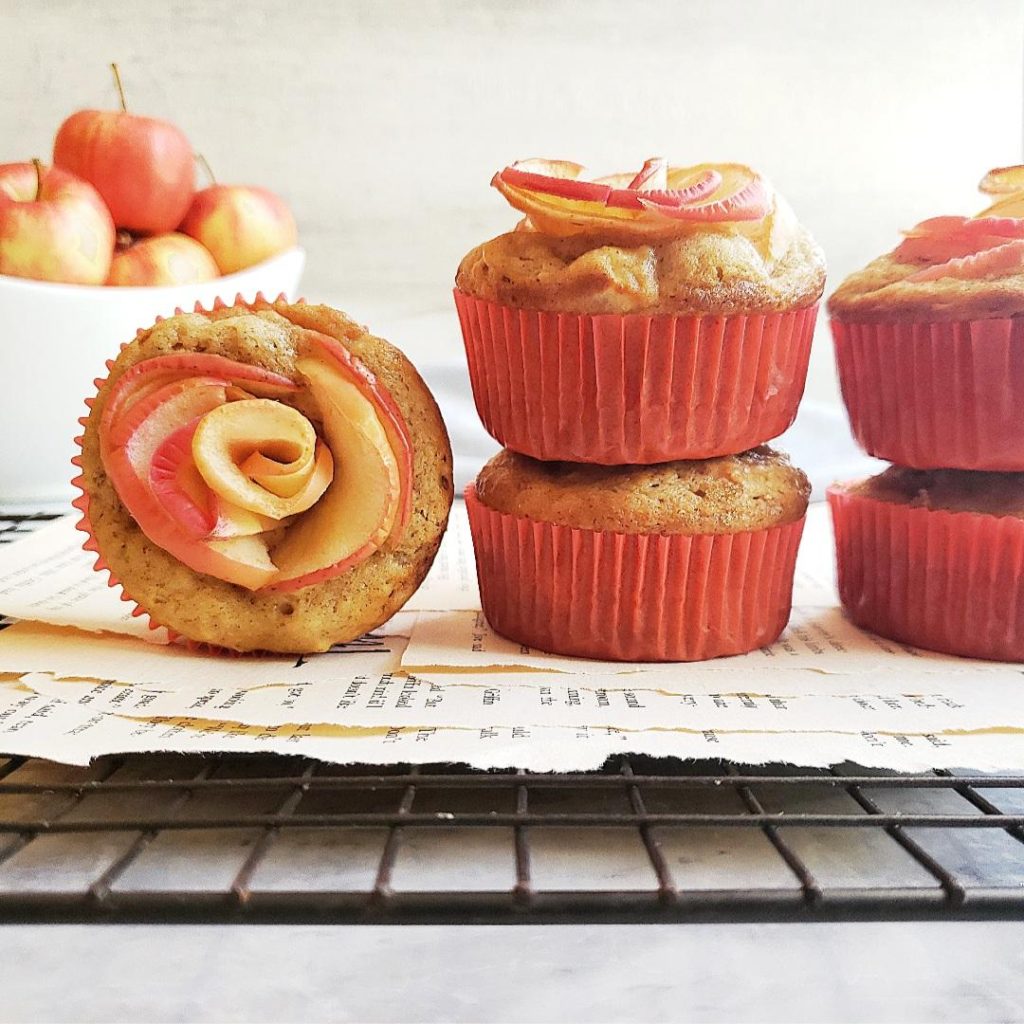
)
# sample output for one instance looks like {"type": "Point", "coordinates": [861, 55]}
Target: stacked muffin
{"type": "Point", "coordinates": [633, 343]}
{"type": "Point", "coordinates": [930, 349]}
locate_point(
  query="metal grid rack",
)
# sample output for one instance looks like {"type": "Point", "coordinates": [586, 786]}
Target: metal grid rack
{"type": "Point", "coordinates": [175, 837]}
{"type": "Point", "coordinates": [258, 838]}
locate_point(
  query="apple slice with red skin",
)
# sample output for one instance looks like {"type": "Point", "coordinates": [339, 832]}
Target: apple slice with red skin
{"type": "Point", "coordinates": [702, 185]}
{"type": "Point", "coordinates": [554, 178]}
{"type": "Point", "coordinates": [178, 485]}
{"type": "Point", "coordinates": [146, 373]}
{"type": "Point", "coordinates": [172, 396]}
{"type": "Point", "coordinates": [1006, 257]}
{"type": "Point", "coordinates": [653, 174]}
{"type": "Point", "coordinates": [741, 195]}
{"type": "Point", "coordinates": [180, 488]}
{"type": "Point", "coordinates": [368, 497]}
{"type": "Point", "coordinates": [940, 239]}
{"type": "Point", "coordinates": [391, 417]}
{"type": "Point", "coordinates": [127, 464]}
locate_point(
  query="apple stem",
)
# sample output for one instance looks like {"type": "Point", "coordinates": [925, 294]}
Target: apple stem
{"type": "Point", "coordinates": [120, 87]}
{"type": "Point", "coordinates": [204, 163]}
{"type": "Point", "coordinates": [38, 165]}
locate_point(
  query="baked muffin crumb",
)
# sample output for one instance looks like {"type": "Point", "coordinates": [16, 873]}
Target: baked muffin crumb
{"type": "Point", "coordinates": [755, 490]}
{"type": "Point", "coordinates": [951, 490]}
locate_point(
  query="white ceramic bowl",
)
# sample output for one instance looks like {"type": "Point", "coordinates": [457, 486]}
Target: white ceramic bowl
{"type": "Point", "coordinates": [54, 341]}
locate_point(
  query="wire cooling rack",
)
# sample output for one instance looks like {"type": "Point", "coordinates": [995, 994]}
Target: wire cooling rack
{"type": "Point", "coordinates": [175, 837]}
{"type": "Point", "coordinates": [264, 838]}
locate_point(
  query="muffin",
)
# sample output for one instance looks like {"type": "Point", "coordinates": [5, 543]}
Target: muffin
{"type": "Point", "coordinates": [639, 318]}
{"type": "Point", "coordinates": [934, 558]}
{"type": "Point", "coordinates": [929, 340]}
{"type": "Point", "coordinates": [680, 561]}
{"type": "Point", "coordinates": [264, 477]}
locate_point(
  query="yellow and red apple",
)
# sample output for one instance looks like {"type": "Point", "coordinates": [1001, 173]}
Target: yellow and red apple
{"type": "Point", "coordinates": [241, 225]}
{"type": "Point", "coordinates": [241, 487]}
{"type": "Point", "coordinates": [53, 226]}
{"type": "Point", "coordinates": [141, 166]}
{"type": "Point", "coordinates": [166, 259]}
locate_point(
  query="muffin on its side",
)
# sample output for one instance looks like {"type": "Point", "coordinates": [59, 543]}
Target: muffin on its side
{"type": "Point", "coordinates": [639, 318]}
{"type": "Point", "coordinates": [680, 561]}
{"type": "Point", "coordinates": [264, 477]}
{"type": "Point", "coordinates": [930, 340]}
{"type": "Point", "coordinates": [935, 558]}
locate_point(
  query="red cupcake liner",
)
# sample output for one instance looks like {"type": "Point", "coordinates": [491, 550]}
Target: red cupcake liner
{"type": "Point", "coordinates": [633, 389]}
{"type": "Point", "coordinates": [82, 502]}
{"type": "Point", "coordinates": [632, 597]}
{"type": "Point", "coordinates": [944, 581]}
{"type": "Point", "coordinates": [936, 395]}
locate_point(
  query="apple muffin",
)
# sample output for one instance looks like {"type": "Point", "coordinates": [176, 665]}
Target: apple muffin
{"type": "Point", "coordinates": [929, 339]}
{"type": "Point", "coordinates": [681, 561]}
{"type": "Point", "coordinates": [639, 318]}
{"type": "Point", "coordinates": [935, 558]}
{"type": "Point", "coordinates": [264, 477]}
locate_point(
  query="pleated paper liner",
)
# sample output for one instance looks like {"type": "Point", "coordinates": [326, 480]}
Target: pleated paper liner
{"type": "Point", "coordinates": [82, 502]}
{"type": "Point", "coordinates": [632, 597]}
{"type": "Point", "coordinates": [936, 395]}
{"type": "Point", "coordinates": [944, 581]}
{"type": "Point", "coordinates": [633, 389]}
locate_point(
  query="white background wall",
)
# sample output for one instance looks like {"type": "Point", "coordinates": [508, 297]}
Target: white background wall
{"type": "Point", "coordinates": [383, 122]}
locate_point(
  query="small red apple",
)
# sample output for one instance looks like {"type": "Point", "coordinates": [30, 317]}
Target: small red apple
{"type": "Point", "coordinates": [53, 227]}
{"type": "Point", "coordinates": [241, 225]}
{"type": "Point", "coordinates": [166, 259]}
{"type": "Point", "coordinates": [141, 166]}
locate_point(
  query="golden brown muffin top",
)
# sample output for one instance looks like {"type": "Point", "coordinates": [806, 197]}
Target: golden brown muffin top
{"type": "Point", "coordinates": [948, 268]}
{"type": "Point", "coordinates": [882, 291]}
{"type": "Point", "coordinates": [751, 491]}
{"type": "Point", "coordinates": [952, 490]}
{"type": "Point", "coordinates": [712, 238]}
{"type": "Point", "coordinates": [708, 271]}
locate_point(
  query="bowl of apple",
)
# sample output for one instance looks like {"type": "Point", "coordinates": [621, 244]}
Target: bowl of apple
{"type": "Point", "coordinates": [109, 237]}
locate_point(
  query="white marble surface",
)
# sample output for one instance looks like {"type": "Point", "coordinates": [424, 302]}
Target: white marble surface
{"type": "Point", "coordinates": [765, 973]}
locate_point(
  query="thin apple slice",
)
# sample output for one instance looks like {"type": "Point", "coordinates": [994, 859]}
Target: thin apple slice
{"type": "Point", "coordinates": [200, 393]}
{"type": "Point", "coordinates": [940, 239]}
{"type": "Point", "coordinates": [687, 190]}
{"type": "Point", "coordinates": [741, 195]}
{"type": "Point", "coordinates": [177, 484]}
{"type": "Point", "coordinates": [1007, 258]}
{"type": "Point", "coordinates": [1010, 206]}
{"type": "Point", "coordinates": [1003, 180]}
{"type": "Point", "coordinates": [357, 512]}
{"type": "Point", "coordinates": [184, 365]}
{"type": "Point", "coordinates": [653, 174]}
{"type": "Point", "coordinates": [940, 248]}
{"type": "Point", "coordinates": [181, 405]}
{"type": "Point", "coordinates": [246, 566]}
{"type": "Point", "coordinates": [324, 347]}
{"type": "Point", "coordinates": [560, 178]}
{"type": "Point", "coordinates": [233, 521]}
{"type": "Point", "coordinates": [248, 551]}
{"type": "Point", "coordinates": [228, 437]}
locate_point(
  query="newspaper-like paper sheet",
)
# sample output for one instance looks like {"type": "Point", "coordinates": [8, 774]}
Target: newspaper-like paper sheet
{"type": "Point", "coordinates": [436, 684]}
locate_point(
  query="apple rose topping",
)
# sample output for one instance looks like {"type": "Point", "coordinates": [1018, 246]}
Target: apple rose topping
{"type": "Point", "coordinates": [219, 468]}
{"type": "Point", "coordinates": [659, 201]}
{"type": "Point", "coordinates": [989, 244]}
